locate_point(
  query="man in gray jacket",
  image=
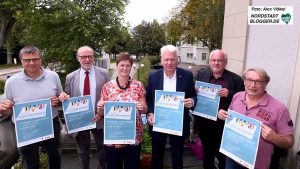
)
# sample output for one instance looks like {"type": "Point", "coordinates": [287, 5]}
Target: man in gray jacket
{"type": "Point", "coordinates": [75, 86]}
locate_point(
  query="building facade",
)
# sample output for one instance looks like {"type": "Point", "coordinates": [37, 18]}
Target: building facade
{"type": "Point", "coordinates": [193, 53]}
{"type": "Point", "coordinates": [275, 48]}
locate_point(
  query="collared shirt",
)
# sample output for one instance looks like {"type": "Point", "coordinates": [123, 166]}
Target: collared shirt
{"type": "Point", "coordinates": [270, 112]}
{"type": "Point", "coordinates": [170, 83]}
{"type": "Point", "coordinates": [92, 78]}
{"type": "Point", "coordinates": [224, 83]}
{"type": "Point", "coordinates": [21, 88]}
{"type": "Point", "coordinates": [135, 92]}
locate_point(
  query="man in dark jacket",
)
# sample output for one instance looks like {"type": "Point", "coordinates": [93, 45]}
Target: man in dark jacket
{"type": "Point", "coordinates": [210, 132]}
{"type": "Point", "coordinates": [170, 78]}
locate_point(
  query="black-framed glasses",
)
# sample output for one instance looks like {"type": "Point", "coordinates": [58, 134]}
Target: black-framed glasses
{"type": "Point", "coordinates": [34, 60]}
{"type": "Point", "coordinates": [255, 82]}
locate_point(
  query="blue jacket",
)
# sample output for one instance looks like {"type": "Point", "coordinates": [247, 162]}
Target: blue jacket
{"type": "Point", "coordinates": [185, 83]}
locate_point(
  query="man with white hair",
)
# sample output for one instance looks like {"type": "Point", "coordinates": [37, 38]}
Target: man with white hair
{"type": "Point", "coordinates": [209, 131]}
{"type": "Point", "coordinates": [170, 78]}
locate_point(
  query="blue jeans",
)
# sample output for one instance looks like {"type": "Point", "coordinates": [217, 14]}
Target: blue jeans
{"type": "Point", "coordinates": [231, 164]}
{"type": "Point", "coordinates": [127, 157]}
{"type": "Point", "coordinates": [30, 153]}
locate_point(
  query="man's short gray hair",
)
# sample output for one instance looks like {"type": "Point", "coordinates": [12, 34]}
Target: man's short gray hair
{"type": "Point", "coordinates": [218, 51]}
{"type": "Point", "coordinates": [260, 71]}
{"type": "Point", "coordinates": [30, 50]}
{"type": "Point", "coordinates": [169, 48]}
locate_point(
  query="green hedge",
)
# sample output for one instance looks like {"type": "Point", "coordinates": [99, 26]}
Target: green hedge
{"type": "Point", "coordinates": [2, 84]}
{"type": "Point", "coordinates": [143, 72]}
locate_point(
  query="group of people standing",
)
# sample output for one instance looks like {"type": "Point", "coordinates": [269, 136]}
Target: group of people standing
{"type": "Point", "coordinates": [35, 83]}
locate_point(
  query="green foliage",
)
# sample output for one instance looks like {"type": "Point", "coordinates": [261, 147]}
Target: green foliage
{"type": "Point", "coordinates": [42, 165]}
{"type": "Point", "coordinates": [148, 38]}
{"type": "Point", "coordinates": [143, 72]}
{"type": "Point", "coordinates": [120, 42]}
{"type": "Point", "coordinates": [59, 28]}
{"type": "Point", "coordinates": [154, 59]}
{"type": "Point", "coordinates": [174, 31]}
{"type": "Point", "coordinates": [146, 147]}
{"type": "Point", "coordinates": [2, 84]}
{"type": "Point", "coordinates": [198, 20]}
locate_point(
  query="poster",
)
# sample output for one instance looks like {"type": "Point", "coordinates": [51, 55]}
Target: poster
{"type": "Point", "coordinates": [241, 138]}
{"type": "Point", "coordinates": [168, 112]}
{"type": "Point", "coordinates": [78, 112]}
{"type": "Point", "coordinates": [33, 122]}
{"type": "Point", "coordinates": [208, 100]}
{"type": "Point", "coordinates": [119, 123]}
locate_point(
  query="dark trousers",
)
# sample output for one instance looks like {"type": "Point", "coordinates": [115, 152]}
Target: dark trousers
{"type": "Point", "coordinates": [83, 142]}
{"type": "Point", "coordinates": [210, 133]}
{"type": "Point", "coordinates": [158, 149]}
{"type": "Point", "coordinates": [127, 157]}
{"type": "Point", "coordinates": [30, 153]}
{"type": "Point", "coordinates": [231, 164]}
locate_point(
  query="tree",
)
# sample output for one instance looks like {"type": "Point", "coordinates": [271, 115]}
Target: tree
{"type": "Point", "coordinates": [174, 31]}
{"type": "Point", "coordinates": [148, 38]}
{"type": "Point", "coordinates": [119, 42]}
{"type": "Point", "coordinates": [60, 27]}
{"type": "Point", "coordinates": [200, 20]}
{"type": "Point", "coordinates": [8, 10]}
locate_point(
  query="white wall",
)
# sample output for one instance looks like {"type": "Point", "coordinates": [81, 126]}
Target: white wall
{"type": "Point", "coordinates": [197, 54]}
{"type": "Point", "coordinates": [274, 48]}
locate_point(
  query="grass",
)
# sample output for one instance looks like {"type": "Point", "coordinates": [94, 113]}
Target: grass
{"type": "Point", "coordinates": [5, 66]}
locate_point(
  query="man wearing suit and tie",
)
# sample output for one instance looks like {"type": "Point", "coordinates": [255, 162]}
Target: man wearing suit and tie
{"type": "Point", "coordinates": [170, 78]}
{"type": "Point", "coordinates": [87, 80]}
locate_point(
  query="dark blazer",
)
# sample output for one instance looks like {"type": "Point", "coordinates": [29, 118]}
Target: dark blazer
{"type": "Point", "coordinates": [185, 83]}
{"type": "Point", "coordinates": [73, 80]}
{"type": "Point", "coordinates": [235, 84]}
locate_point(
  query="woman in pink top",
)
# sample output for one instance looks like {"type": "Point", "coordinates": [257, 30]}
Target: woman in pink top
{"type": "Point", "coordinates": [255, 102]}
{"type": "Point", "coordinates": [124, 89]}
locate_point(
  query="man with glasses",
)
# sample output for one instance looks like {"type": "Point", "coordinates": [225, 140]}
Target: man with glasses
{"type": "Point", "coordinates": [209, 131]}
{"type": "Point", "coordinates": [76, 85]}
{"type": "Point", "coordinates": [35, 83]}
{"type": "Point", "coordinates": [255, 102]}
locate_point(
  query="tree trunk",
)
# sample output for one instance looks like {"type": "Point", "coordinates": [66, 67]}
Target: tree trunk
{"type": "Point", "coordinates": [9, 57]}
{"type": "Point", "coordinates": [7, 23]}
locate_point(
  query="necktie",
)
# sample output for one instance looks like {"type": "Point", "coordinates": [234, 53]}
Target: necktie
{"type": "Point", "coordinates": [86, 86]}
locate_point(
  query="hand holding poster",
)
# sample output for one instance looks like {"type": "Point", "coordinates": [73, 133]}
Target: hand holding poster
{"type": "Point", "coordinates": [208, 100]}
{"type": "Point", "coordinates": [119, 123]}
{"type": "Point", "coordinates": [241, 138]}
{"type": "Point", "coordinates": [79, 112]}
{"type": "Point", "coordinates": [168, 112]}
{"type": "Point", "coordinates": [33, 122]}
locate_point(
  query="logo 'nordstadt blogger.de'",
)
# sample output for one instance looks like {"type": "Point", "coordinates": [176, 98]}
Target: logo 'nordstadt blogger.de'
{"type": "Point", "coordinates": [270, 15]}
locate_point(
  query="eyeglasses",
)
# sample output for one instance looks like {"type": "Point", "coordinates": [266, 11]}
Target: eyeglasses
{"type": "Point", "coordinates": [255, 82]}
{"type": "Point", "coordinates": [34, 60]}
{"type": "Point", "coordinates": [217, 60]}
{"type": "Point", "coordinates": [86, 56]}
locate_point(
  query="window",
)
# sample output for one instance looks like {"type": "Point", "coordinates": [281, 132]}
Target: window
{"type": "Point", "coordinates": [189, 55]}
{"type": "Point", "coordinates": [203, 56]}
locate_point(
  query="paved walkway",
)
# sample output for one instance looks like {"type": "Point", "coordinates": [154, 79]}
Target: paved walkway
{"type": "Point", "coordinates": [70, 158]}
{"type": "Point", "coordinates": [4, 73]}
